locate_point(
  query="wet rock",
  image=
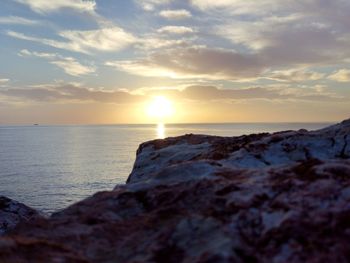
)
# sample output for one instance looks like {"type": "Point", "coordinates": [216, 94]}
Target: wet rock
{"type": "Point", "coordinates": [280, 197]}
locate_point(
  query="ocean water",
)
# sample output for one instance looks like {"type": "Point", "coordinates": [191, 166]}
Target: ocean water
{"type": "Point", "coordinates": [51, 167]}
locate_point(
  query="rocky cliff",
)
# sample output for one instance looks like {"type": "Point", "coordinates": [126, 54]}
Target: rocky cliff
{"type": "Point", "coordinates": [282, 197]}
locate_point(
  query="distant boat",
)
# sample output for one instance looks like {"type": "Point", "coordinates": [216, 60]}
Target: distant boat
{"type": "Point", "coordinates": [35, 124]}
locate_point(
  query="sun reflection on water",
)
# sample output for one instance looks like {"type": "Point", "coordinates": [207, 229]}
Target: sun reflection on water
{"type": "Point", "coordinates": [160, 131]}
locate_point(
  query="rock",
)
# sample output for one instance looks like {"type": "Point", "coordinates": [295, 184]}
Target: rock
{"type": "Point", "coordinates": [252, 151]}
{"type": "Point", "coordinates": [12, 213]}
{"type": "Point", "coordinates": [282, 197]}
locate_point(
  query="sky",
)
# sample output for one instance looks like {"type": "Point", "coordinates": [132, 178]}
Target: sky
{"type": "Point", "coordinates": [104, 61]}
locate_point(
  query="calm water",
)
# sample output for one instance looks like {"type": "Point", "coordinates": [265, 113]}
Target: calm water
{"type": "Point", "coordinates": [50, 167]}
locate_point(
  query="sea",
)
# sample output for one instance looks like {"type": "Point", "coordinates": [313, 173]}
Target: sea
{"type": "Point", "coordinates": [52, 167]}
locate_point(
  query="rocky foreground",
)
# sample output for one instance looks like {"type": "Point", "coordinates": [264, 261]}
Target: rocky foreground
{"type": "Point", "coordinates": [282, 197]}
{"type": "Point", "coordinates": [12, 213]}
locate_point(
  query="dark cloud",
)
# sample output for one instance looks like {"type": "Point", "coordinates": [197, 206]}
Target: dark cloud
{"type": "Point", "coordinates": [303, 46]}
{"type": "Point", "coordinates": [214, 61]}
{"type": "Point", "coordinates": [283, 34]}
{"type": "Point", "coordinates": [196, 62]}
{"type": "Point", "coordinates": [224, 64]}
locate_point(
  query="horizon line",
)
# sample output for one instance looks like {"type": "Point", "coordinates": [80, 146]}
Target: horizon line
{"type": "Point", "coordinates": [165, 123]}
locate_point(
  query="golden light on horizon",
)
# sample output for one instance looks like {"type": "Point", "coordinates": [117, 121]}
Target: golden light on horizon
{"type": "Point", "coordinates": [160, 108]}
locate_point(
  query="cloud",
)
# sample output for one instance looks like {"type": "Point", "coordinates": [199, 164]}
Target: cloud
{"type": "Point", "coordinates": [212, 93]}
{"type": "Point", "coordinates": [175, 30]}
{"type": "Point", "coordinates": [240, 7]}
{"type": "Point", "coordinates": [69, 93]}
{"type": "Point", "coordinates": [195, 62]}
{"type": "Point", "coordinates": [156, 42]}
{"type": "Point", "coordinates": [4, 81]}
{"type": "Point", "coordinates": [66, 93]}
{"type": "Point", "coordinates": [26, 52]}
{"type": "Point", "coordinates": [103, 39]}
{"type": "Point", "coordinates": [294, 75]}
{"type": "Point", "coordinates": [288, 44]}
{"type": "Point", "coordinates": [287, 33]}
{"type": "Point", "coordinates": [142, 68]}
{"type": "Point", "coordinates": [175, 14]}
{"type": "Point", "coordinates": [16, 20]}
{"type": "Point", "coordinates": [44, 6]}
{"type": "Point", "coordinates": [342, 75]}
{"type": "Point", "coordinates": [70, 65]}
{"type": "Point", "coordinates": [149, 5]}
{"type": "Point", "coordinates": [73, 67]}
{"type": "Point", "coordinates": [255, 34]}
{"type": "Point", "coordinates": [335, 10]}
{"type": "Point", "coordinates": [287, 39]}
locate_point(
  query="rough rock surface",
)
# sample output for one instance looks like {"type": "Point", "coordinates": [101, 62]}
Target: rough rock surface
{"type": "Point", "coordinates": [282, 197]}
{"type": "Point", "coordinates": [12, 213]}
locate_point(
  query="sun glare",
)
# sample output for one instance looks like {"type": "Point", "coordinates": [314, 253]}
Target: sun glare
{"type": "Point", "coordinates": [160, 108]}
{"type": "Point", "coordinates": [160, 131]}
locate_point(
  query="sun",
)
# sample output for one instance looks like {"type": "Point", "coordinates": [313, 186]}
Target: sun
{"type": "Point", "coordinates": [160, 108]}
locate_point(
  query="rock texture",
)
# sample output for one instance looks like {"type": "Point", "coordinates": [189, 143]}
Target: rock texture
{"type": "Point", "coordinates": [12, 213]}
{"type": "Point", "coordinates": [282, 197]}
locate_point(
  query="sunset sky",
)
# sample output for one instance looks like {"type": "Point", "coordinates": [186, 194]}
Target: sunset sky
{"type": "Point", "coordinates": [86, 62]}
